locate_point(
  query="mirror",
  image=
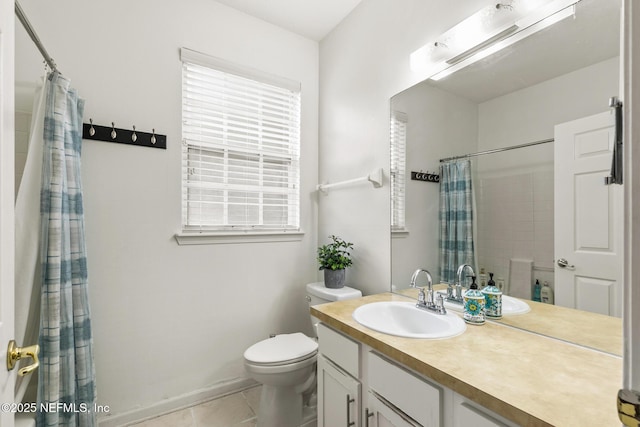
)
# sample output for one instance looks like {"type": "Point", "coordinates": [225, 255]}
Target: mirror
{"type": "Point", "coordinates": [515, 96]}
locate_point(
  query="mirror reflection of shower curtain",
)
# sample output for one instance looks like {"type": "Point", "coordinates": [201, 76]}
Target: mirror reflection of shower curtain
{"type": "Point", "coordinates": [456, 242]}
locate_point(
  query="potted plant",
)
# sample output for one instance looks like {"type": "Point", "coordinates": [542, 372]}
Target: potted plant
{"type": "Point", "coordinates": [333, 258]}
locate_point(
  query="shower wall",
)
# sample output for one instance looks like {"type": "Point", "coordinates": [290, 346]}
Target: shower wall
{"type": "Point", "coordinates": [22, 122]}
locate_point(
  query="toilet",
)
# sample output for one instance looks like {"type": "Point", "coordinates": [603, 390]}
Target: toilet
{"type": "Point", "coordinates": [285, 365]}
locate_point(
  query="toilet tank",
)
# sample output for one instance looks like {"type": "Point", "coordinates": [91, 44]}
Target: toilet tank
{"type": "Point", "coordinates": [318, 293]}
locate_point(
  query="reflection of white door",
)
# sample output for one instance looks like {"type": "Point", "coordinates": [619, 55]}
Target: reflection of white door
{"type": "Point", "coordinates": [588, 217]}
{"type": "Point", "coordinates": [7, 380]}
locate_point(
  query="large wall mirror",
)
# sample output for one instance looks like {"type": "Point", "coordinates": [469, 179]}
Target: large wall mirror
{"type": "Point", "coordinates": [541, 88]}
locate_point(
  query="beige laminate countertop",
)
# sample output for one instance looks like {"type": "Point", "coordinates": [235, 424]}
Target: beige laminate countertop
{"type": "Point", "coordinates": [530, 379]}
{"type": "Point", "coordinates": [587, 329]}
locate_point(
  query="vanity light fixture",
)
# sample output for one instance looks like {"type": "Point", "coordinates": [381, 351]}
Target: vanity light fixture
{"type": "Point", "coordinates": [496, 26]}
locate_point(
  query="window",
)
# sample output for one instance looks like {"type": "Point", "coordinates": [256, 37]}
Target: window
{"type": "Point", "coordinates": [398, 169]}
{"type": "Point", "coordinates": [240, 148]}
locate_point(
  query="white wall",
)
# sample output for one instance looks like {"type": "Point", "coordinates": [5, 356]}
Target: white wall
{"type": "Point", "coordinates": [439, 124]}
{"type": "Point", "coordinates": [170, 320]}
{"type": "Point", "coordinates": [363, 63]}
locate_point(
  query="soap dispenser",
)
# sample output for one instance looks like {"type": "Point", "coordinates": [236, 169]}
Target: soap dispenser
{"type": "Point", "coordinates": [474, 303]}
{"type": "Point", "coordinates": [493, 299]}
{"type": "Point", "coordinates": [536, 291]}
{"type": "Point", "coordinates": [546, 293]}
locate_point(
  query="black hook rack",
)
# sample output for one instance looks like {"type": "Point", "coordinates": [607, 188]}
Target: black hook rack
{"type": "Point", "coordinates": [123, 136]}
{"type": "Point", "coordinates": [425, 176]}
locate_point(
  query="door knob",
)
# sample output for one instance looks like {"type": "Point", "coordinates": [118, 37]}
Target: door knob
{"type": "Point", "coordinates": [15, 353]}
{"type": "Point", "coordinates": [629, 407]}
{"type": "Point", "coordinates": [563, 263]}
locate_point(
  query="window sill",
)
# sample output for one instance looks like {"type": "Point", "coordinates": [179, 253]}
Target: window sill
{"type": "Point", "coordinates": [223, 238]}
{"type": "Point", "coordinates": [399, 233]}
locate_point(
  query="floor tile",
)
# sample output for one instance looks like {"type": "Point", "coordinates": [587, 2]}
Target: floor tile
{"type": "Point", "coordinates": [253, 397]}
{"type": "Point", "coordinates": [182, 418]}
{"type": "Point", "coordinates": [224, 412]}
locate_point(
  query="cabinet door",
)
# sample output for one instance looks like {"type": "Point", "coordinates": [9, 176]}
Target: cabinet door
{"type": "Point", "coordinates": [338, 396]}
{"type": "Point", "coordinates": [381, 413]}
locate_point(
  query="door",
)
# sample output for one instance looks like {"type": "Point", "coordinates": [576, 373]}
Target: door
{"type": "Point", "coordinates": [589, 217]}
{"type": "Point", "coordinates": [338, 396]}
{"type": "Point", "coordinates": [7, 379]}
{"type": "Point", "coordinates": [381, 413]}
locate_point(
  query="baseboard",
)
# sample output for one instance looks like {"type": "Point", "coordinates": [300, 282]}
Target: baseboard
{"type": "Point", "coordinates": [177, 403]}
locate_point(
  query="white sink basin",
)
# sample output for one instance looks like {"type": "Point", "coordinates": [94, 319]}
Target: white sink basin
{"type": "Point", "coordinates": [404, 319]}
{"type": "Point", "coordinates": [510, 306]}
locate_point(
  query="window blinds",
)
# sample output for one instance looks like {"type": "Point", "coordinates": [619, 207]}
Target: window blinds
{"type": "Point", "coordinates": [398, 169]}
{"type": "Point", "coordinates": [241, 148]}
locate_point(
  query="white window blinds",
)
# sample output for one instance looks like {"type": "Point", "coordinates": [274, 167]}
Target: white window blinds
{"type": "Point", "coordinates": [241, 148]}
{"type": "Point", "coordinates": [398, 169]}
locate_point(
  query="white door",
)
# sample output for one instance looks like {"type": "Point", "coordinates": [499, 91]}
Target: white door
{"type": "Point", "coordinates": [7, 379]}
{"type": "Point", "coordinates": [380, 413]}
{"type": "Point", "coordinates": [339, 396]}
{"type": "Point", "coordinates": [631, 89]}
{"type": "Point", "coordinates": [589, 217]}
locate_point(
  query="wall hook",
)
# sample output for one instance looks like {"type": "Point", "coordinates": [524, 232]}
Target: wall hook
{"type": "Point", "coordinates": [131, 136]}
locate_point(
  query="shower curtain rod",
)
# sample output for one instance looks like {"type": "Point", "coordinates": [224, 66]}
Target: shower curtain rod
{"type": "Point", "coordinates": [32, 33]}
{"type": "Point", "coordinates": [497, 150]}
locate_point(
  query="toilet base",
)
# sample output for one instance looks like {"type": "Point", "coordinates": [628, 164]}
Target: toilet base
{"type": "Point", "coordinates": [283, 407]}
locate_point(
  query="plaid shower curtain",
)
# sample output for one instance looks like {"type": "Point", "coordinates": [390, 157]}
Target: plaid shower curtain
{"type": "Point", "coordinates": [456, 218]}
{"type": "Point", "coordinates": [66, 377]}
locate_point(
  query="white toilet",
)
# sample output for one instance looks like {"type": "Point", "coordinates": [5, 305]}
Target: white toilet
{"type": "Point", "coordinates": [286, 367]}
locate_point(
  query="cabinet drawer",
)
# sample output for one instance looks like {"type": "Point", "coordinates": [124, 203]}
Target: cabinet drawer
{"type": "Point", "coordinates": [419, 399]}
{"type": "Point", "coordinates": [466, 413]}
{"type": "Point", "coordinates": [470, 416]}
{"type": "Point", "coordinates": [341, 350]}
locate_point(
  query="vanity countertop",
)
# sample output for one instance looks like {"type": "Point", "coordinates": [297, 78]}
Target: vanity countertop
{"type": "Point", "coordinates": [530, 379]}
{"type": "Point", "coordinates": [580, 327]}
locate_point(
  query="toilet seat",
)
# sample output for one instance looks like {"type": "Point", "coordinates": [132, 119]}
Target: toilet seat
{"type": "Point", "coordinates": [281, 349]}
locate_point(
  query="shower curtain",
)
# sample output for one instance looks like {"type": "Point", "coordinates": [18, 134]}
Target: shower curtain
{"type": "Point", "coordinates": [456, 216]}
{"type": "Point", "coordinates": [27, 220]}
{"type": "Point", "coordinates": [66, 377]}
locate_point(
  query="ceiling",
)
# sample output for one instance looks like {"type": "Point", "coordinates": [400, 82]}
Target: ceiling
{"type": "Point", "coordinates": [313, 19]}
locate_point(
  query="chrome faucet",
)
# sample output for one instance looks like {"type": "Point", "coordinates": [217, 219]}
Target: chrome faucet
{"type": "Point", "coordinates": [426, 302]}
{"type": "Point", "coordinates": [458, 286]}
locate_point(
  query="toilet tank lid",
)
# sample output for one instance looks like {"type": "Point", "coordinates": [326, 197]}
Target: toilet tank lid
{"type": "Point", "coordinates": [319, 290]}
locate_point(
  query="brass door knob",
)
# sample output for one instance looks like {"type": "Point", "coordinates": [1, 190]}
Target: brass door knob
{"type": "Point", "coordinates": [15, 353]}
{"type": "Point", "coordinates": [629, 407]}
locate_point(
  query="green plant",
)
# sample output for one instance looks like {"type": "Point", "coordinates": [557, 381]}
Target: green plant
{"type": "Point", "coordinates": [335, 255]}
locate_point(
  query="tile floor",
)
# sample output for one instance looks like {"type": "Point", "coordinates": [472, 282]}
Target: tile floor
{"type": "Point", "coordinates": [235, 410]}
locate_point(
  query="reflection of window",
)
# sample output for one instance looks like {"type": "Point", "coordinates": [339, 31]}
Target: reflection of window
{"type": "Point", "coordinates": [241, 145]}
{"type": "Point", "coordinates": [398, 169]}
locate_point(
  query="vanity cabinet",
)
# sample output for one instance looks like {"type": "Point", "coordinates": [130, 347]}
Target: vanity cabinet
{"type": "Point", "coordinates": [338, 396]}
{"type": "Point", "coordinates": [381, 413]}
{"type": "Point", "coordinates": [339, 388]}
{"type": "Point", "coordinates": [466, 414]}
{"type": "Point", "coordinates": [410, 397]}
{"type": "Point", "coordinates": [359, 387]}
